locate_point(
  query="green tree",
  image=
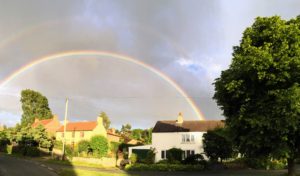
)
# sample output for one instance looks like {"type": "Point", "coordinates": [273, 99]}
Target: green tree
{"type": "Point", "coordinates": [34, 105]}
{"type": "Point", "coordinates": [40, 135]}
{"type": "Point", "coordinates": [217, 144]}
{"type": "Point", "coordinates": [99, 145]}
{"type": "Point", "coordinates": [260, 94]}
{"type": "Point", "coordinates": [106, 120]}
{"type": "Point", "coordinates": [126, 130]}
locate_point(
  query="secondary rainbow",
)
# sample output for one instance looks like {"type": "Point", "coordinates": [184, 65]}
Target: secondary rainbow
{"type": "Point", "coordinates": [107, 54]}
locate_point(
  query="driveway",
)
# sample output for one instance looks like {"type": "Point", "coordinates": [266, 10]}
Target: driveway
{"type": "Point", "coordinates": [11, 166]}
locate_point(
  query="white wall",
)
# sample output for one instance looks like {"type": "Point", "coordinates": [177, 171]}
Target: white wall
{"type": "Point", "coordinates": [166, 141]}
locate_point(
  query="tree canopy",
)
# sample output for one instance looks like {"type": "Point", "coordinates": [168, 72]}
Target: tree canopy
{"type": "Point", "coordinates": [34, 105]}
{"type": "Point", "coordinates": [217, 144]}
{"type": "Point", "coordinates": [260, 93]}
{"type": "Point", "coordinates": [106, 120]}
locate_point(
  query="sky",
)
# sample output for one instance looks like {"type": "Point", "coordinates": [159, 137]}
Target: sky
{"type": "Point", "coordinates": [189, 41]}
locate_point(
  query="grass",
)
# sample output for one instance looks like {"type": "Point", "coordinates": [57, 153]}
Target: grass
{"type": "Point", "coordinates": [79, 172]}
{"type": "Point", "coordinates": [75, 163]}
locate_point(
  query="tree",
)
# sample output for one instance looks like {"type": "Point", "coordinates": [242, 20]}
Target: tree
{"type": "Point", "coordinates": [40, 135]}
{"type": "Point", "coordinates": [99, 145]}
{"type": "Point", "coordinates": [260, 94]}
{"type": "Point", "coordinates": [106, 120]}
{"type": "Point", "coordinates": [126, 130]}
{"type": "Point", "coordinates": [217, 144]}
{"type": "Point", "coordinates": [34, 105]}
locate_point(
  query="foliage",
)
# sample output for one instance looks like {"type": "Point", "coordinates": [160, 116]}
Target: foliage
{"type": "Point", "coordinates": [99, 145]}
{"type": "Point", "coordinates": [41, 137]}
{"type": "Point", "coordinates": [31, 151]}
{"type": "Point", "coordinates": [126, 130]}
{"type": "Point", "coordinates": [34, 105]}
{"type": "Point", "coordinates": [106, 120]}
{"type": "Point", "coordinates": [217, 144]}
{"type": "Point", "coordinates": [150, 158]}
{"type": "Point", "coordinates": [163, 167]}
{"type": "Point", "coordinates": [141, 154]}
{"type": "Point", "coordinates": [133, 158]}
{"type": "Point", "coordinates": [58, 145]}
{"type": "Point", "coordinates": [174, 155]}
{"type": "Point", "coordinates": [195, 159]}
{"type": "Point", "coordinates": [265, 163]}
{"type": "Point", "coordinates": [144, 135]}
{"type": "Point", "coordinates": [260, 93]}
{"type": "Point", "coordinates": [84, 146]}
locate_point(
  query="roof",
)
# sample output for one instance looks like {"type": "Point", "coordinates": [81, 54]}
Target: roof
{"type": "Point", "coordinates": [186, 126]}
{"type": "Point", "coordinates": [41, 122]}
{"type": "Point", "coordinates": [79, 126]}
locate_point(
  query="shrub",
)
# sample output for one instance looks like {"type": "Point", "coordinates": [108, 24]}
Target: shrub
{"type": "Point", "coordinates": [133, 158]}
{"type": "Point", "coordinates": [174, 154]}
{"type": "Point", "coordinates": [99, 145]}
{"type": "Point", "coordinates": [84, 146]}
{"type": "Point", "coordinates": [150, 158]}
{"type": "Point", "coordinates": [265, 163]}
{"type": "Point", "coordinates": [163, 167]}
{"type": "Point", "coordinates": [69, 151]}
{"type": "Point", "coordinates": [8, 149]}
{"type": "Point", "coordinates": [58, 145]}
{"type": "Point", "coordinates": [195, 159]}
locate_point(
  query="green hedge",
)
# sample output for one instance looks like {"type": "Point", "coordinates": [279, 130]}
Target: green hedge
{"type": "Point", "coordinates": [163, 167]}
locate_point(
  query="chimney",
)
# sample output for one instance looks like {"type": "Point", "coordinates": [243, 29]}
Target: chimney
{"type": "Point", "coordinates": [100, 120]}
{"type": "Point", "coordinates": [179, 118]}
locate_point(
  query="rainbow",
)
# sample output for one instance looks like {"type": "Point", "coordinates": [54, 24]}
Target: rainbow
{"type": "Point", "coordinates": [108, 54]}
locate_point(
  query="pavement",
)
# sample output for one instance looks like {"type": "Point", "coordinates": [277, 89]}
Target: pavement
{"type": "Point", "coordinates": [13, 166]}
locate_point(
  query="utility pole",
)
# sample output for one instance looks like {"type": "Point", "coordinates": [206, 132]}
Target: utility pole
{"type": "Point", "coordinates": [65, 127]}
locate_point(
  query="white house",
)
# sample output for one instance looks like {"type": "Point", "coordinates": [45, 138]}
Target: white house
{"type": "Point", "coordinates": [186, 135]}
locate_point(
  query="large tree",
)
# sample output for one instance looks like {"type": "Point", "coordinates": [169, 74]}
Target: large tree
{"type": "Point", "coordinates": [260, 93]}
{"type": "Point", "coordinates": [34, 105]}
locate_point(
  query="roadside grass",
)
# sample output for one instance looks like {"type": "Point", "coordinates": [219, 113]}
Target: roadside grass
{"type": "Point", "coordinates": [80, 172]}
{"type": "Point", "coordinates": [77, 163]}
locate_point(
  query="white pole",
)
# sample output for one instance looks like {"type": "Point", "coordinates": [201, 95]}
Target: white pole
{"type": "Point", "coordinates": [65, 127]}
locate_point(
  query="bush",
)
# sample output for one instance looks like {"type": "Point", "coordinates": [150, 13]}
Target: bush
{"type": "Point", "coordinates": [163, 167]}
{"type": "Point", "coordinates": [8, 149]}
{"type": "Point", "coordinates": [150, 158]}
{"type": "Point", "coordinates": [99, 145]}
{"type": "Point", "coordinates": [58, 145]}
{"type": "Point", "coordinates": [265, 163]}
{"type": "Point", "coordinates": [133, 158]}
{"type": "Point", "coordinates": [84, 146]}
{"type": "Point", "coordinates": [195, 159]}
{"type": "Point", "coordinates": [174, 154]}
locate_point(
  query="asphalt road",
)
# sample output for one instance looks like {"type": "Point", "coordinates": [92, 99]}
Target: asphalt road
{"type": "Point", "coordinates": [11, 166]}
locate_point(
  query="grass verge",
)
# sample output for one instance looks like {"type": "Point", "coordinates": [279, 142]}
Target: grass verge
{"type": "Point", "coordinates": [79, 172]}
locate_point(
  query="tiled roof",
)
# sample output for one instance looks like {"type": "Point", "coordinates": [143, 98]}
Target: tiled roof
{"type": "Point", "coordinates": [79, 126]}
{"type": "Point", "coordinates": [41, 122]}
{"type": "Point", "coordinates": [186, 126]}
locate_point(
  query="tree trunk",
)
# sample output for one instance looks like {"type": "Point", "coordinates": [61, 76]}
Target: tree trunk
{"type": "Point", "coordinates": [291, 167]}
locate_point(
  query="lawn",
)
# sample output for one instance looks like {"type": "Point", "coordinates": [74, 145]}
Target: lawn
{"type": "Point", "coordinates": [79, 172]}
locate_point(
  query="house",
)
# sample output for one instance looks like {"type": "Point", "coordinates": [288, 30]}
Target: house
{"type": "Point", "coordinates": [186, 135]}
{"type": "Point", "coordinates": [112, 136]}
{"type": "Point", "coordinates": [51, 125]}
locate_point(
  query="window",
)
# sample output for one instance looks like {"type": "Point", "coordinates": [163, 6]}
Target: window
{"type": "Point", "coordinates": [82, 134]}
{"type": "Point", "coordinates": [62, 135]}
{"type": "Point", "coordinates": [192, 138]}
{"type": "Point", "coordinates": [188, 138]}
{"type": "Point", "coordinates": [192, 152]}
{"type": "Point", "coordinates": [188, 153]}
{"type": "Point", "coordinates": [183, 138]}
{"type": "Point", "coordinates": [163, 154]}
{"type": "Point", "coordinates": [73, 134]}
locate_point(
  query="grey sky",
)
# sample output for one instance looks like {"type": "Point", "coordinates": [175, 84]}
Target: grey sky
{"type": "Point", "coordinates": [188, 40]}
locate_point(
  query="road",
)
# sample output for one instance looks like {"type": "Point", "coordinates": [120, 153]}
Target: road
{"type": "Point", "coordinates": [11, 166]}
